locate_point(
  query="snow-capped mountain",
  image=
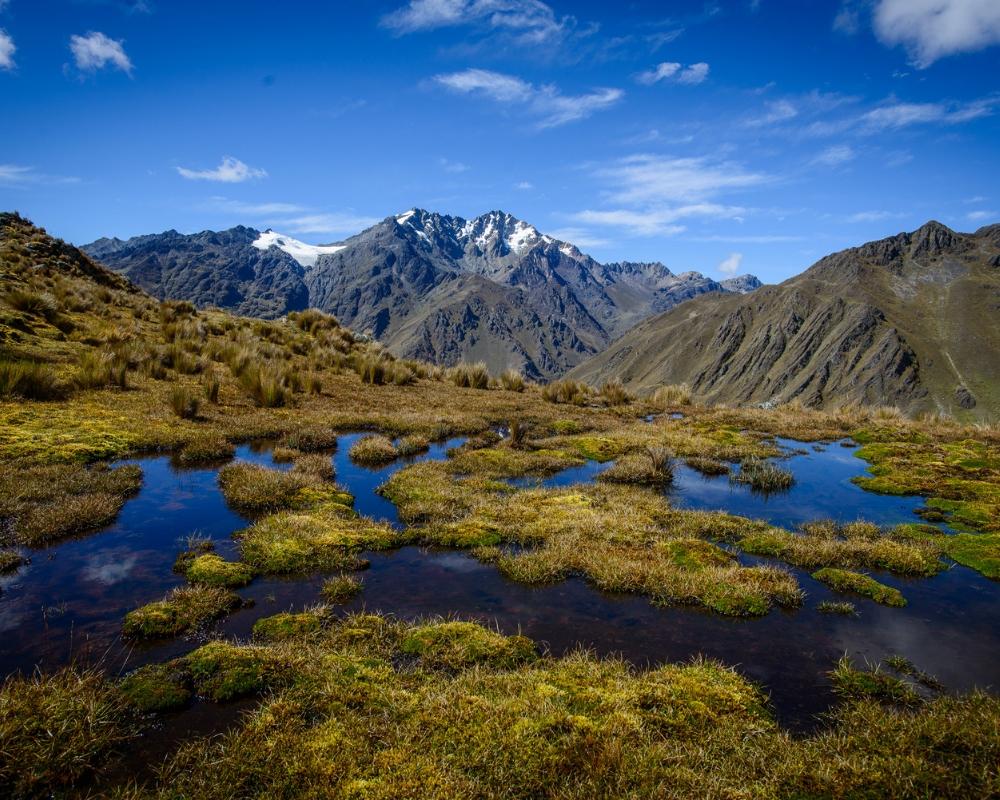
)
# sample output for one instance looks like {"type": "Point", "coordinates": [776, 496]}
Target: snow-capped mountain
{"type": "Point", "coordinates": [428, 285]}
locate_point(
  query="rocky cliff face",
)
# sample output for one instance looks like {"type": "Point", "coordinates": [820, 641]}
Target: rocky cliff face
{"type": "Point", "coordinates": [428, 285]}
{"type": "Point", "coordinates": [911, 320]}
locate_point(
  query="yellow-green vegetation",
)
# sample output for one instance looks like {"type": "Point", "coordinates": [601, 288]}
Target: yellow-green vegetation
{"type": "Point", "coordinates": [856, 544]}
{"type": "Point", "coordinates": [157, 687]}
{"type": "Point", "coordinates": [10, 560]}
{"type": "Point", "coordinates": [707, 466]}
{"type": "Point", "coordinates": [251, 488]}
{"type": "Point", "coordinates": [653, 466]}
{"type": "Point", "coordinates": [836, 607]}
{"type": "Point", "coordinates": [46, 502]}
{"type": "Point", "coordinates": [366, 707]}
{"type": "Point", "coordinates": [374, 450]}
{"type": "Point", "coordinates": [871, 684]}
{"type": "Point", "coordinates": [341, 588]}
{"type": "Point", "coordinates": [183, 608]}
{"type": "Point", "coordinates": [288, 626]}
{"type": "Point", "coordinates": [324, 538]}
{"type": "Point", "coordinates": [456, 645]}
{"type": "Point", "coordinates": [311, 439]}
{"type": "Point", "coordinates": [621, 538]}
{"type": "Point", "coordinates": [57, 729]}
{"type": "Point", "coordinates": [510, 462]}
{"type": "Point", "coordinates": [846, 581]}
{"type": "Point", "coordinates": [980, 551]}
{"type": "Point", "coordinates": [208, 449]}
{"type": "Point", "coordinates": [213, 570]}
{"type": "Point", "coordinates": [960, 475]}
{"type": "Point", "coordinates": [763, 476]}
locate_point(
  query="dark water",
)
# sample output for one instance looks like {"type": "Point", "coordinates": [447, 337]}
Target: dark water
{"type": "Point", "coordinates": [69, 602]}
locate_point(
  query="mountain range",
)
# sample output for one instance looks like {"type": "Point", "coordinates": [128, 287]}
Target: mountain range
{"type": "Point", "coordinates": [912, 320]}
{"type": "Point", "coordinates": [429, 286]}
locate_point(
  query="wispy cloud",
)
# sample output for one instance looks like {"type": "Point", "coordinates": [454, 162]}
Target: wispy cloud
{"type": "Point", "coordinates": [873, 216]}
{"type": "Point", "coordinates": [453, 166]}
{"type": "Point", "coordinates": [750, 239]}
{"type": "Point", "coordinates": [524, 186]}
{"type": "Point", "coordinates": [647, 178]}
{"type": "Point", "coordinates": [775, 112]}
{"type": "Point", "coordinates": [848, 18]}
{"type": "Point", "coordinates": [231, 170]}
{"type": "Point", "coordinates": [835, 156]}
{"type": "Point", "coordinates": [933, 29]}
{"type": "Point", "coordinates": [292, 217]}
{"type": "Point", "coordinates": [578, 236]}
{"type": "Point", "coordinates": [675, 72]}
{"type": "Point", "coordinates": [894, 115]}
{"type": "Point", "coordinates": [979, 216]}
{"type": "Point", "coordinates": [20, 175]}
{"type": "Point", "coordinates": [336, 223]}
{"type": "Point", "coordinates": [96, 51]}
{"type": "Point", "coordinates": [731, 264]}
{"type": "Point", "coordinates": [255, 210]}
{"type": "Point", "coordinates": [529, 21]}
{"type": "Point", "coordinates": [547, 103]}
{"type": "Point", "coordinates": [657, 222]}
{"type": "Point", "coordinates": [7, 50]}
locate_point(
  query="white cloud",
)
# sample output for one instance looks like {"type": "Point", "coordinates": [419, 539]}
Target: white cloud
{"type": "Point", "coordinates": [231, 170]}
{"type": "Point", "coordinates": [731, 264]}
{"type": "Point", "coordinates": [895, 115]}
{"type": "Point", "coordinates": [524, 186]}
{"type": "Point", "coordinates": [7, 50]}
{"type": "Point", "coordinates": [847, 20]}
{"type": "Point", "coordinates": [96, 51]}
{"type": "Point", "coordinates": [761, 239]}
{"type": "Point", "coordinates": [337, 223]}
{"type": "Point", "coordinates": [252, 209]}
{"type": "Point", "coordinates": [933, 29]}
{"type": "Point", "coordinates": [531, 21]}
{"type": "Point", "coordinates": [545, 102]}
{"type": "Point", "coordinates": [661, 221]}
{"type": "Point", "coordinates": [835, 156]}
{"type": "Point", "coordinates": [774, 112]}
{"type": "Point", "coordinates": [19, 175]}
{"type": "Point", "coordinates": [671, 70]}
{"type": "Point", "coordinates": [649, 178]}
{"type": "Point", "coordinates": [578, 236]}
{"type": "Point", "coordinates": [979, 216]}
{"type": "Point", "coordinates": [873, 216]}
{"type": "Point", "coordinates": [453, 166]}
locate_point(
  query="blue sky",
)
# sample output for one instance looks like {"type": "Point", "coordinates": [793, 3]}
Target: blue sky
{"type": "Point", "coordinates": [723, 136]}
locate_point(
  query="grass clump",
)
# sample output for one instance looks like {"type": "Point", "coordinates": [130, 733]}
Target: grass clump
{"type": "Point", "coordinates": [312, 439]}
{"type": "Point", "coordinates": [323, 539]}
{"type": "Point", "coordinates": [707, 466]}
{"type": "Point", "coordinates": [512, 380]}
{"type": "Point", "coordinates": [671, 396]}
{"type": "Point", "coordinates": [457, 645]}
{"type": "Point", "coordinates": [834, 607]}
{"type": "Point", "coordinates": [288, 626]}
{"type": "Point", "coordinates": [846, 581]}
{"type": "Point", "coordinates": [763, 476]}
{"type": "Point", "coordinates": [470, 376]}
{"type": "Point", "coordinates": [251, 488]}
{"type": "Point", "coordinates": [265, 386]}
{"type": "Point", "coordinates": [341, 588]}
{"type": "Point", "coordinates": [31, 380]}
{"type": "Point", "coordinates": [206, 449]}
{"type": "Point", "coordinates": [511, 462]}
{"type": "Point", "coordinates": [183, 609]}
{"type": "Point", "coordinates": [614, 393]}
{"type": "Point", "coordinates": [871, 684]}
{"type": "Point", "coordinates": [223, 671]}
{"type": "Point", "coordinates": [374, 450]}
{"type": "Point", "coordinates": [653, 466]}
{"type": "Point", "coordinates": [10, 560]}
{"type": "Point", "coordinates": [184, 403]}
{"type": "Point", "coordinates": [57, 729]}
{"type": "Point", "coordinates": [156, 688]}
{"type": "Point", "coordinates": [213, 570]}
{"type": "Point", "coordinates": [566, 390]}
{"type": "Point", "coordinates": [52, 501]}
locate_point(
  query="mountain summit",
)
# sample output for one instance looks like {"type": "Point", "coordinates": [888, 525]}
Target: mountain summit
{"type": "Point", "coordinates": [430, 286]}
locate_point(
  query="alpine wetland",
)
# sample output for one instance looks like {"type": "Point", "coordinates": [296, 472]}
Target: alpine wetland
{"type": "Point", "coordinates": [445, 506]}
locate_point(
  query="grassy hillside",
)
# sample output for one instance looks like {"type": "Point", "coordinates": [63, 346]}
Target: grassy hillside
{"type": "Point", "coordinates": [907, 321]}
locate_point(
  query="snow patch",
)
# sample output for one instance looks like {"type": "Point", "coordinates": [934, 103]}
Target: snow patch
{"type": "Point", "coordinates": [522, 238]}
{"type": "Point", "coordinates": [305, 254]}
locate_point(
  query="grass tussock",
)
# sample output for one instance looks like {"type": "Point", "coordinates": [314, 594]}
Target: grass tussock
{"type": "Point", "coordinates": [184, 403]}
{"type": "Point", "coordinates": [341, 588]}
{"type": "Point", "coordinates": [871, 684]}
{"type": "Point", "coordinates": [57, 729]}
{"type": "Point", "coordinates": [205, 449]}
{"type": "Point", "coordinates": [252, 488]}
{"type": "Point", "coordinates": [48, 502]}
{"type": "Point", "coordinates": [567, 391]}
{"type": "Point", "coordinates": [31, 380]}
{"type": "Point", "coordinates": [671, 396]}
{"type": "Point", "coordinates": [653, 466]}
{"type": "Point", "coordinates": [183, 609]}
{"type": "Point", "coordinates": [846, 581]}
{"type": "Point", "coordinates": [311, 439]}
{"type": "Point", "coordinates": [470, 376]}
{"type": "Point", "coordinates": [157, 688]}
{"type": "Point", "coordinates": [836, 607]}
{"type": "Point", "coordinates": [763, 476]}
{"type": "Point", "coordinates": [374, 450]}
{"type": "Point", "coordinates": [512, 380]}
{"type": "Point", "coordinates": [210, 569]}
